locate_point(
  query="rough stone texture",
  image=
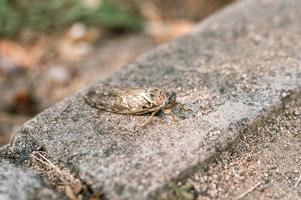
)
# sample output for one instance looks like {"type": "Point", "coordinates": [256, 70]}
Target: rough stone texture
{"type": "Point", "coordinates": [17, 184]}
{"type": "Point", "coordinates": [229, 73]}
{"type": "Point", "coordinates": [269, 154]}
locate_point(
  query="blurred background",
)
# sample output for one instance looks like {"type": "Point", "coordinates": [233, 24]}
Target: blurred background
{"type": "Point", "coordinates": [50, 49]}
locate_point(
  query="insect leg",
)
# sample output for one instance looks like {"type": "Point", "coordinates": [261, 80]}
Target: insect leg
{"type": "Point", "coordinates": [168, 111]}
{"type": "Point", "coordinates": [148, 120]}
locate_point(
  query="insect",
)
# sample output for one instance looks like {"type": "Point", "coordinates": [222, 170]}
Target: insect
{"type": "Point", "coordinates": [135, 101]}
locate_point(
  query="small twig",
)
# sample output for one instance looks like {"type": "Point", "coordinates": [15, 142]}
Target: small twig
{"type": "Point", "coordinates": [40, 160]}
{"type": "Point", "coordinates": [298, 181]}
{"type": "Point", "coordinates": [66, 181]}
{"type": "Point", "coordinates": [45, 161]}
{"type": "Point", "coordinates": [50, 164]}
{"type": "Point", "coordinates": [248, 191]}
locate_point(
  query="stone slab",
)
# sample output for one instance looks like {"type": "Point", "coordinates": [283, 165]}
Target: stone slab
{"type": "Point", "coordinates": [19, 184]}
{"type": "Point", "coordinates": [229, 73]}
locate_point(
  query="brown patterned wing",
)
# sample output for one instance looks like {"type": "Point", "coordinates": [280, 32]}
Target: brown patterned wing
{"type": "Point", "coordinates": [119, 100]}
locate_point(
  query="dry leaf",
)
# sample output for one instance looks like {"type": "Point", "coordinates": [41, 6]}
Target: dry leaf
{"type": "Point", "coordinates": [77, 42]}
{"type": "Point", "coordinates": [5, 138]}
{"type": "Point", "coordinates": [70, 193]}
{"type": "Point", "coordinates": [13, 57]}
{"type": "Point", "coordinates": [164, 31]}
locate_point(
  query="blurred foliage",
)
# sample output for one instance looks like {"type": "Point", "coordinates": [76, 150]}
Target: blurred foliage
{"type": "Point", "coordinates": [42, 15]}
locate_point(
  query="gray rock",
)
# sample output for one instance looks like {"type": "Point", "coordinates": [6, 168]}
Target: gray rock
{"type": "Point", "coordinates": [230, 73]}
{"type": "Point", "coordinates": [17, 184]}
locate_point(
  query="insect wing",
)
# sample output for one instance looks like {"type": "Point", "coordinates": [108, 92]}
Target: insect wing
{"type": "Point", "coordinates": [118, 100]}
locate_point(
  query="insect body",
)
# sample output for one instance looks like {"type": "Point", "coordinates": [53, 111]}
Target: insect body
{"type": "Point", "coordinates": [130, 100]}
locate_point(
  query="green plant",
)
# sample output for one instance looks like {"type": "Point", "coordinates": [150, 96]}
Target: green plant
{"type": "Point", "coordinates": [42, 15]}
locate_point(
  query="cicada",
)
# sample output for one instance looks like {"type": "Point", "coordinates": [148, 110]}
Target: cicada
{"type": "Point", "coordinates": [135, 101]}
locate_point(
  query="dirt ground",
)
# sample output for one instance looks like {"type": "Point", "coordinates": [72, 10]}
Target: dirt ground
{"type": "Point", "coordinates": [30, 92]}
{"type": "Point", "coordinates": [263, 164]}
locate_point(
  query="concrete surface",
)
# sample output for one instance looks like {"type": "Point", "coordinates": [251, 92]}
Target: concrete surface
{"type": "Point", "coordinates": [16, 183]}
{"type": "Point", "coordinates": [229, 74]}
{"type": "Point", "coordinates": [263, 164]}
